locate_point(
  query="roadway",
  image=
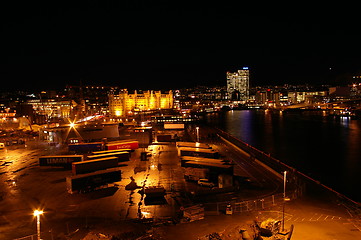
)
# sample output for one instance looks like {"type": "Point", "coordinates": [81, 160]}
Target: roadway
{"type": "Point", "coordinates": [263, 182]}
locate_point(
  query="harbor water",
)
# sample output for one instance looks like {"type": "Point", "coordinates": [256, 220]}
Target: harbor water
{"type": "Point", "coordinates": [327, 148]}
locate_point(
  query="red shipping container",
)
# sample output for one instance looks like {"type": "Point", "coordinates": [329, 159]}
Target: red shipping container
{"type": "Point", "coordinates": [123, 145]}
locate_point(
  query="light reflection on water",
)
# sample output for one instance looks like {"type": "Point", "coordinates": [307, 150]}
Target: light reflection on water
{"type": "Point", "coordinates": [324, 147]}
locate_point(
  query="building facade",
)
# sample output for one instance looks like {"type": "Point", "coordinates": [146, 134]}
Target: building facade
{"type": "Point", "coordinates": [238, 85]}
{"type": "Point", "coordinates": [51, 107]}
{"type": "Point", "coordinates": [123, 103]}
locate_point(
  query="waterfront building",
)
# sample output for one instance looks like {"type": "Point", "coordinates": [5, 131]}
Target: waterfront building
{"type": "Point", "coordinates": [51, 107]}
{"type": "Point", "coordinates": [94, 99]}
{"type": "Point", "coordinates": [124, 103]}
{"type": "Point", "coordinates": [238, 85]}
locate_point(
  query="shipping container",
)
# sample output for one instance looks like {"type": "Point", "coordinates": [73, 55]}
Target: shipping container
{"type": "Point", "coordinates": [154, 191]}
{"type": "Point", "coordinates": [198, 152]}
{"type": "Point", "coordinates": [164, 138]}
{"type": "Point", "coordinates": [214, 167]}
{"type": "Point", "coordinates": [60, 160]}
{"type": "Point", "coordinates": [94, 165]}
{"type": "Point", "coordinates": [111, 151]}
{"type": "Point", "coordinates": [133, 144]}
{"type": "Point", "coordinates": [193, 145]}
{"type": "Point", "coordinates": [121, 156]}
{"type": "Point", "coordinates": [91, 181]}
{"type": "Point", "coordinates": [86, 147]}
{"type": "Point", "coordinates": [225, 180]}
{"type": "Point", "coordinates": [173, 125]}
{"type": "Point", "coordinates": [185, 159]}
{"type": "Point", "coordinates": [194, 174]}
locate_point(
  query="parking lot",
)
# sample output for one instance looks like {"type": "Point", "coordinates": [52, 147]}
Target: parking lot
{"type": "Point", "coordinates": [29, 187]}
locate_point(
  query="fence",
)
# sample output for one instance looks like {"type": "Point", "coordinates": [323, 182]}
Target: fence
{"type": "Point", "coordinates": [251, 204]}
{"type": "Point", "coordinates": [297, 180]}
{"type": "Point", "coordinates": [44, 236]}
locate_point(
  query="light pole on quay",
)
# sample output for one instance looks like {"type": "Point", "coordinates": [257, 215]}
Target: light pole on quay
{"type": "Point", "coordinates": [37, 214]}
{"type": "Point", "coordinates": [197, 131]}
{"type": "Point", "coordinates": [284, 199]}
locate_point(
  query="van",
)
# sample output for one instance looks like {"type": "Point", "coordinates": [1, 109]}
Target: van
{"type": "Point", "coordinates": [205, 183]}
{"type": "Point", "coordinates": [2, 145]}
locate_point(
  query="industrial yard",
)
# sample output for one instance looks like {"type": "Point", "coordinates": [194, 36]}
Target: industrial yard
{"type": "Point", "coordinates": [156, 188]}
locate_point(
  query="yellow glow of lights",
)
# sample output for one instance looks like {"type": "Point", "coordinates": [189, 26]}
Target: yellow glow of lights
{"type": "Point", "coordinates": [38, 212]}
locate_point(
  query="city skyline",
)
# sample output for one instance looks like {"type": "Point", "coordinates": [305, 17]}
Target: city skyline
{"type": "Point", "coordinates": [161, 45]}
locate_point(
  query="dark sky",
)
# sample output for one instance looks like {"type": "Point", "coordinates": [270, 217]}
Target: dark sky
{"type": "Point", "coordinates": [157, 45]}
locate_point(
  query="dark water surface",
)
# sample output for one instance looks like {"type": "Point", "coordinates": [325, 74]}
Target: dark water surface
{"type": "Point", "coordinates": [324, 147]}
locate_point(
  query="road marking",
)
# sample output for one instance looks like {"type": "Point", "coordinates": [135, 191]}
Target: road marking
{"type": "Point", "coordinates": [319, 217]}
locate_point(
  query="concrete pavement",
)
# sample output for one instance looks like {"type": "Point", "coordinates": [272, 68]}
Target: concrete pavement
{"type": "Point", "coordinates": [312, 220]}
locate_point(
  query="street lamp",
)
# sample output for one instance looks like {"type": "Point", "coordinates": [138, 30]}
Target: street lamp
{"type": "Point", "coordinates": [284, 183]}
{"type": "Point", "coordinates": [284, 199]}
{"type": "Point", "coordinates": [37, 214]}
{"type": "Point", "coordinates": [197, 131]}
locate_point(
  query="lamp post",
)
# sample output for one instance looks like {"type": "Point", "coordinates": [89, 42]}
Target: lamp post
{"type": "Point", "coordinates": [284, 183]}
{"type": "Point", "coordinates": [197, 131]}
{"type": "Point", "coordinates": [37, 214]}
{"type": "Point", "coordinates": [284, 199]}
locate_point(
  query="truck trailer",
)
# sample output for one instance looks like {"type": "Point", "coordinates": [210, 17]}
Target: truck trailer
{"type": "Point", "coordinates": [111, 151]}
{"type": "Point", "coordinates": [121, 156]}
{"type": "Point", "coordinates": [185, 159]}
{"type": "Point", "coordinates": [91, 181]}
{"type": "Point", "coordinates": [193, 145]}
{"type": "Point", "coordinates": [60, 160]}
{"type": "Point", "coordinates": [197, 152]}
{"type": "Point", "coordinates": [94, 165]}
{"type": "Point", "coordinates": [194, 174]}
{"type": "Point", "coordinates": [85, 147]}
{"type": "Point", "coordinates": [125, 144]}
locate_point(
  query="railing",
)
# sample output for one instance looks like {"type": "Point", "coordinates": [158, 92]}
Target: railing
{"type": "Point", "coordinates": [44, 236]}
{"type": "Point", "coordinates": [251, 204]}
{"type": "Point", "coordinates": [296, 178]}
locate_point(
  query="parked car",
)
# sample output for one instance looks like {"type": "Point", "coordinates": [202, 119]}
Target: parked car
{"type": "Point", "coordinates": [205, 183]}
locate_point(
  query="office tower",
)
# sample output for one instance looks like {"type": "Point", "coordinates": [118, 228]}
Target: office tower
{"type": "Point", "coordinates": [238, 85]}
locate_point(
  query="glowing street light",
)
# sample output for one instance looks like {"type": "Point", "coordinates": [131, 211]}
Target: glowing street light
{"type": "Point", "coordinates": [284, 183]}
{"type": "Point", "coordinates": [37, 214]}
{"type": "Point", "coordinates": [197, 131]}
{"type": "Point", "coordinates": [284, 199]}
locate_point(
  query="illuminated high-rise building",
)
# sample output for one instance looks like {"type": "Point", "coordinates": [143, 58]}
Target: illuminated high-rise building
{"type": "Point", "coordinates": [123, 104]}
{"type": "Point", "coordinates": [238, 85]}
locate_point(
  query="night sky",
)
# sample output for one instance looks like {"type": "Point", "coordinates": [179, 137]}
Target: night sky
{"type": "Point", "coordinates": [157, 45]}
